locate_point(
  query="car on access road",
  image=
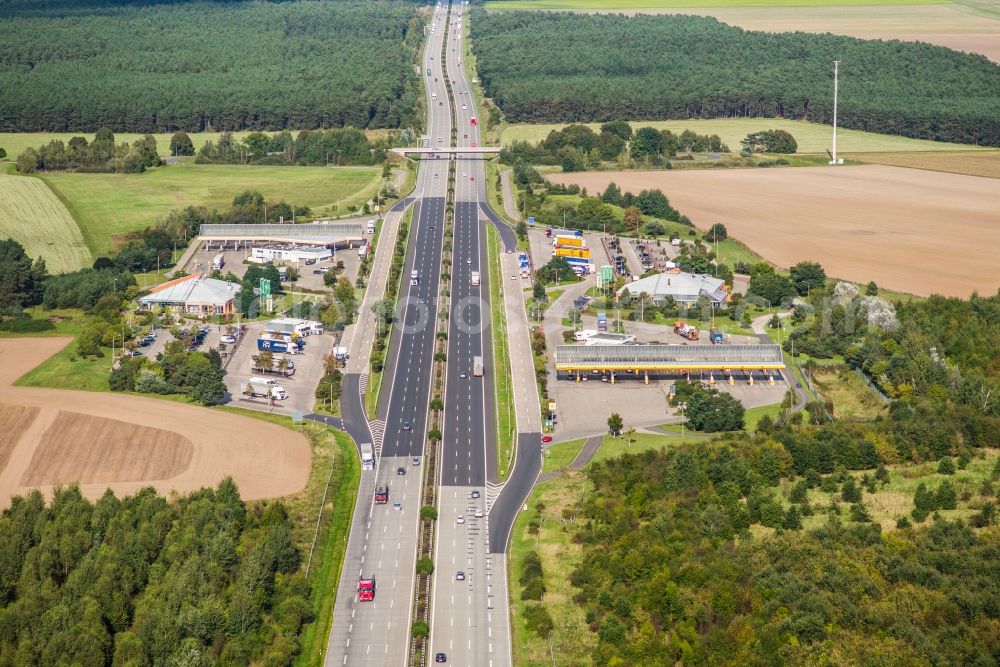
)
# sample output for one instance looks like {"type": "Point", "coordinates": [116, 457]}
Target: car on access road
{"type": "Point", "coordinates": [440, 657]}
{"type": "Point", "coordinates": [546, 438]}
{"type": "Point", "coordinates": [400, 470]}
{"type": "Point", "coordinates": [460, 576]}
{"type": "Point", "coordinates": [479, 513]}
{"type": "Point", "coordinates": [460, 519]}
{"type": "Point", "coordinates": [475, 493]}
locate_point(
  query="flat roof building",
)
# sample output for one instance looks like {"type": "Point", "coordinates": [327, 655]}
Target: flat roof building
{"type": "Point", "coordinates": [289, 253]}
{"type": "Point", "coordinates": [684, 287]}
{"type": "Point", "coordinates": [193, 294]}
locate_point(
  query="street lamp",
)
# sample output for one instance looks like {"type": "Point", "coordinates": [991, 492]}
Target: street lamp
{"type": "Point", "coordinates": [681, 410]}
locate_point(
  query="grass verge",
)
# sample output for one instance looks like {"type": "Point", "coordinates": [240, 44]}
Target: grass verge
{"type": "Point", "coordinates": [559, 456]}
{"type": "Point", "coordinates": [545, 529]}
{"type": "Point", "coordinates": [754, 415]}
{"type": "Point", "coordinates": [503, 398]}
{"type": "Point", "coordinates": [640, 442]}
{"type": "Point", "coordinates": [375, 378]}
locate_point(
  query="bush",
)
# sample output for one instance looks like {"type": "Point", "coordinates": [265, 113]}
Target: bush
{"type": "Point", "coordinates": [26, 325]}
{"type": "Point", "coordinates": [538, 620]}
{"type": "Point", "coordinates": [425, 565]}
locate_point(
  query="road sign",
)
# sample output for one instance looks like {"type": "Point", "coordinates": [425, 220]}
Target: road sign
{"type": "Point", "coordinates": [531, 220]}
{"type": "Point", "coordinates": [265, 287]}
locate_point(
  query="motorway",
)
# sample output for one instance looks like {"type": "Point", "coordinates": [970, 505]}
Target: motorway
{"type": "Point", "coordinates": [383, 541]}
{"type": "Point", "coordinates": [470, 619]}
{"type": "Point", "coordinates": [469, 622]}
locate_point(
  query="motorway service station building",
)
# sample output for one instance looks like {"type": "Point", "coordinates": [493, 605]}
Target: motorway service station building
{"type": "Point", "coordinates": [711, 363]}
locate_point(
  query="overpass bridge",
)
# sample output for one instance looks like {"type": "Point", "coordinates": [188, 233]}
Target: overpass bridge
{"type": "Point", "coordinates": [450, 151]}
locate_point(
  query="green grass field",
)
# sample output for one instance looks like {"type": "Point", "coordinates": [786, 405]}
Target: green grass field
{"type": "Point", "coordinates": [557, 457]}
{"type": "Point", "coordinates": [811, 137]}
{"type": "Point", "coordinates": [594, 5]}
{"type": "Point", "coordinates": [109, 206]}
{"type": "Point", "coordinates": [33, 216]}
{"type": "Point", "coordinates": [571, 641]}
{"type": "Point", "coordinates": [66, 370]}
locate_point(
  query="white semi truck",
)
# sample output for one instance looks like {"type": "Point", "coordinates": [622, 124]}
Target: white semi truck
{"type": "Point", "coordinates": [367, 456]}
{"type": "Point", "coordinates": [257, 387]}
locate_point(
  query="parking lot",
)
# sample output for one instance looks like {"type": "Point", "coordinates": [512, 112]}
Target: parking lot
{"type": "Point", "coordinates": [301, 386]}
{"type": "Point", "coordinates": [583, 408]}
{"type": "Point", "coordinates": [235, 262]}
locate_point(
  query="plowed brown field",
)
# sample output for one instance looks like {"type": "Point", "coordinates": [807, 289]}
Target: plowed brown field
{"type": "Point", "coordinates": [13, 420]}
{"type": "Point", "coordinates": [88, 449]}
{"type": "Point", "coordinates": [124, 442]}
{"type": "Point", "coordinates": [910, 230]}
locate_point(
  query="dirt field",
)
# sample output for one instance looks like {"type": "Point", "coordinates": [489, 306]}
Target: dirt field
{"type": "Point", "coordinates": [150, 442]}
{"type": "Point", "coordinates": [973, 163]}
{"type": "Point", "coordinates": [13, 420]}
{"type": "Point", "coordinates": [909, 230]}
{"type": "Point", "coordinates": [86, 449]}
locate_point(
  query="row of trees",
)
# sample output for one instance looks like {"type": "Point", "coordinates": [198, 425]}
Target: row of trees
{"type": "Point", "coordinates": [100, 155]}
{"type": "Point", "coordinates": [225, 66]}
{"type": "Point", "coordinates": [198, 580]}
{"type": "Point", "coordinates": [566, 67]}
{"type": "Point", "coordinates": [338, 146]}
{"type": "Point", "coordinates": [577, 147]}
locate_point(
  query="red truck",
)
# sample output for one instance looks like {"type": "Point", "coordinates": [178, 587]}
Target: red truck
{"type": "Point", "coordinates": [381, 495]}
{"type": "Point", "coordinates": [366, 589]}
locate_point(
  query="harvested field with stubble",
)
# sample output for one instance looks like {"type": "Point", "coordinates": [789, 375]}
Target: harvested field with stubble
{"type": "Point", "coordinates": [913, 231]}
{"type": "Point", "coordinates": [972, 26]}
{"type": "Point", "coordinates": [971, 163]}
{"type": "Point", "coordinates": [126, 442]}
{"type": "Point", "coordinates": [34, 217]}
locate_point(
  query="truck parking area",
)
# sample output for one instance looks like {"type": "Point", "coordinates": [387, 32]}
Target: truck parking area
{"type": "Point", "coordinates": [300, 385]}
